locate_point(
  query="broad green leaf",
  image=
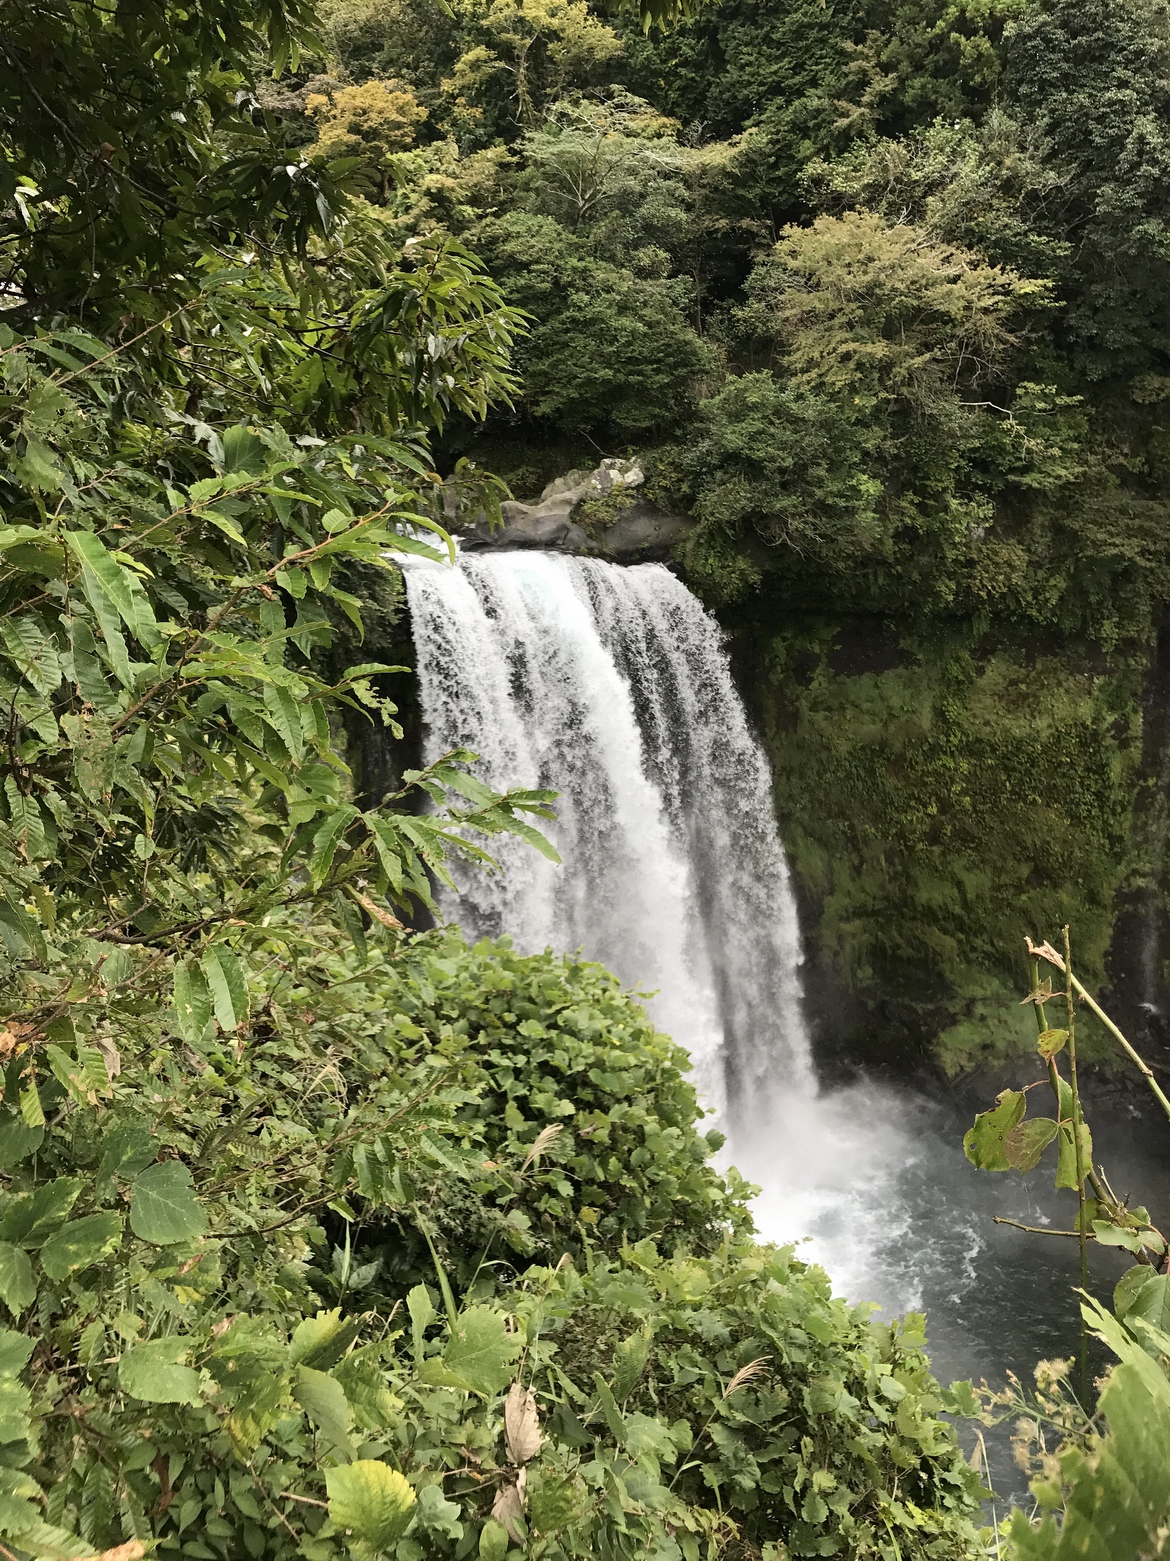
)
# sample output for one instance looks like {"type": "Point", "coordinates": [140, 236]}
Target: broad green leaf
{"type": "Point", "coordinates": [84, 1075]}
{"type": "Point", "coordinates": [28, 1218]}
{"type": "Point", "coordinates": [17, 1139]}
{"type": "Point", "coordinates": [480, 1350]}
{"type": "Point", "coordinates": [609, 1408]}
{"type": "Point", "coordinates": [985, 1143]}
{"type": "Point", "coordinates": [323, 1400]}
{"type": "Point", "coordinates": [243, 451]}
{"type": "Point", "coordinates": [163, 1205]}
{"type": "Point", "coordinates": [155, 1372]}
{"type": "Point", "coordinates": [1050, 1042]}
{"type": "Point", "coordinates": [322, 1341]}
{"type": "Point", "coordinates": [225, 982]}
{"type": "Point", "coordinates": [81, 1242]}
{"type": "Point", "coordinates": [372, 1500]}
{"type": "Point", "coordinates": [126, 1150]}
{"type": "Point", "coordinates": [15, 1351]}
{"type": "Point", "coordinates": [1027, 1141]}
{"type": "Point", "coordinates": [1151, 1300]}
{"type": "Point", "coordinates": [1110, 1235]}
{"type": "Point", "coordinates": [257, 1408]}
{"type": "Point", "coordinates": [493, 1541]}
{"type": "Point", "coordinates": [18, 1288]}
{"type": "Point", "coordinates": [192, 1002]}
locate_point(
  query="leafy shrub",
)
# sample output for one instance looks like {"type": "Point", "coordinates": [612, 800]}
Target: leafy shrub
{"type": "Point", "coordinates": [165, 1254]}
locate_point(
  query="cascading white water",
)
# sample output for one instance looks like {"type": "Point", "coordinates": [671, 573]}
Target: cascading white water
{"type": "Point", "coordinates": [611, 687]}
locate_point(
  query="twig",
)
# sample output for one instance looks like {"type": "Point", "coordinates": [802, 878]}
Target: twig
{"type": "Point", "coordinates": [1036, 1230]}
{"type": "Point", "coordinates": [1046, 951]}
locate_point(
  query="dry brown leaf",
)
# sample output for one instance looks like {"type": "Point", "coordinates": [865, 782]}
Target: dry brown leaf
{"type": "Point", "coordinates": [521, 1424]}
{"type": "Point", "coordinates": [377, 912]}
{"type": "Point", "coordinates": [541, 1142]}
{"type": "Point", "coordinates": [132, 1550]}
{"type": "Point", "coordinates": [110, 1056]}
{"type": "Point", "coordinates": [509, 1505]}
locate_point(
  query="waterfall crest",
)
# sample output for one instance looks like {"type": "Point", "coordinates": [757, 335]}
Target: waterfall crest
{"type": "Point", "coordinates": [611, 686]}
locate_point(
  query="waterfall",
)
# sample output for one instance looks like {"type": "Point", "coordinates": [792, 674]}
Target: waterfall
{"type": "Point", "coordinates": [610, 685]}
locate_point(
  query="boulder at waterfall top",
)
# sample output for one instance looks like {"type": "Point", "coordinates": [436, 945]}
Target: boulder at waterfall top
{"type": "Point", "coordinates": [599, 512]}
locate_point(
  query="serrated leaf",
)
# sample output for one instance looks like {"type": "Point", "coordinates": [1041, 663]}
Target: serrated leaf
{"type": "Point", "coordinates": [31, 1111]}
{"type": "Point", "coordinates": [1027, 1141]}
{"type": "Point", "coordinates": [106, 581]}
{"type": "Point", "coordinates": [29, 1218]}
{"type": "Point", "coordinates": [985, 1143]}
{"type": "Point", "coordinates": [154, 1372]}
{"type": "Point", "coordinates": [18, 1288]}
{"type": "Point", "coordinates": [163, 1205]}
{"type": "Point", "coordinates": [372, 1500]}
{"type": "Point", "coordinates": [322, 1341]}
{"type": "Point", "coordinates": [326, 841]}
{"type": "Point", "coordinates": [225, 983]}
{"type": "Point", "coordinates": [284, 716]}
{"type": "Point", "coordinates": [126, 1150]}
{"type": "Point", "coordinates": [78, 1243]}
{"type": "Point", "coordinates": [480, 1350]}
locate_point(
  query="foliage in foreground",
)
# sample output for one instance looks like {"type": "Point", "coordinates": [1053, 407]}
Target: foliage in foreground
{"type": "Point", "coordinates": [204, 1260]}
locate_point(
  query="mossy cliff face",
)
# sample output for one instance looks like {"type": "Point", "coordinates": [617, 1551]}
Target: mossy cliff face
{"type": "Point", "coordinates": [940, 801]}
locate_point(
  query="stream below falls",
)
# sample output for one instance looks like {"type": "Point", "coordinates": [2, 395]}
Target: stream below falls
{"type": "Point", "coordinates": [610, 685]}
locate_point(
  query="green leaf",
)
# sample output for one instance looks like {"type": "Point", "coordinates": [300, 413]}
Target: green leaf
{"type": "Point", "coordinates": [192, 1002]}
{"type": "Point", "coordinates": [372, 1500]}
{"type": "Point", "coordinates": [609, 1408]}
{"type": "Point", "coordinates": [31, 1110]}
{"type": "Point", "coordinates": [18, 1288]}
{"type": "Point", "coordinates": [30, 1217]}
{"type": "Point", "coordinates": [1027, 1141]}
{"type": "Point", "coordinates": [105, 580]}
{"type": "Point", "coordinates": [81, 1242]}
{"type": "Point", "coordinates": [126, 1150]}
{"type": "Point", "coordinates": [326, 841]}
{"type": "Point", "coordinates": [493, 1541]}
{"type": "Point", "coordinates": [17, 1139]}
{"type": "Point", "coordinates": [1066, 1164]}
{"type": "Point", "coordinates": [154, 1372]}
{"type": "Point", "coordinates": [284, 716]}
{"type": "Point", "coordinates": [985, 1144]}
{"type": "Point", "coordinates": [323, 1400]}
{"type": "Point", "coordinates": [422, 1315]}
{"type": "Point", "coordinates": [163, 1205]}
{"type": "Point", "coordinates": [15, 1351]}
{"type": "Point", "coordinates": [243, 451]}
{"type": "Point", "coordinates": [480, 1350]}
{"type": "Point", "coordinates": [1050, 1042]}
{"type": "Point", "coordinates": [323, 1341]}
{"type": "Point", "coordinates": [225, 981]}
{"type": "Point", "coordinates": [1127, 1288]}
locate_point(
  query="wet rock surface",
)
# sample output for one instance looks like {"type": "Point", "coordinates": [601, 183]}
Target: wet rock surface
{"type": "Point", "coordinates": [599, 512]}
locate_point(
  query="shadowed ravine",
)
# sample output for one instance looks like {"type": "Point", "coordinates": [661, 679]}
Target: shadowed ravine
{"type": "Point", "coordinates": [611, 686]}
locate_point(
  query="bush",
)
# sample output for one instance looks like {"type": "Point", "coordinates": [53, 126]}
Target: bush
{"type": "Point", "coordinates": [186, 1384]}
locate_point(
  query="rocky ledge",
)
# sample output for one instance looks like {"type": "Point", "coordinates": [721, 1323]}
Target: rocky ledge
{"type": "Point", "coordinates": [600, 513]}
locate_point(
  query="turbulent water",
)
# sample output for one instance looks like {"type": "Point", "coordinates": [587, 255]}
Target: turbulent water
{"type": "Point", "coordinates": [611, 686]}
